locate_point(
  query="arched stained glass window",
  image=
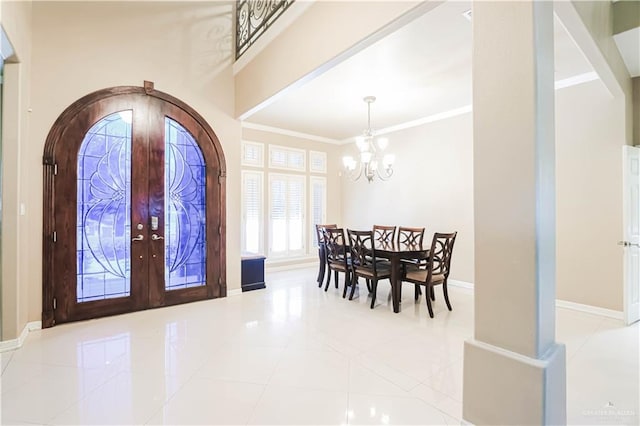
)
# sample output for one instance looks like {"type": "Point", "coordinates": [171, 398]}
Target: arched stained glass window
{"type": "Point", "coordinates": [185, 209]}
{"type": "Point", "coordinates": [104, 210]}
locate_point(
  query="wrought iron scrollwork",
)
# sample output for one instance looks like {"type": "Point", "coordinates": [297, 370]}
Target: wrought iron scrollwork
{"type": "Point", "coordinates": [253, 17]}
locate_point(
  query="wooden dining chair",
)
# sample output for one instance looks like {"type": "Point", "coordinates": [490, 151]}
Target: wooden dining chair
{"type": "Point", "coordinates": [338, 259]}
{"type": "Point", "coordinates": [437, 269]}
{"type": "Point", "coordinates": [385, 234]}
{"type": "Point", "coordinates": [322, 251]}
{"type": "Point", "coordinates": [364, 263]}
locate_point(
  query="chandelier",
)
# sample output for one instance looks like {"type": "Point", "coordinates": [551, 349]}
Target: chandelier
{"type": "Point", "coordinates": [371, 164]}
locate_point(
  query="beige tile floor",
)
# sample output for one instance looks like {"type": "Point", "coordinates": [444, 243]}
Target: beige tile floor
{"type": "Point", "coordinates": [292, 354]}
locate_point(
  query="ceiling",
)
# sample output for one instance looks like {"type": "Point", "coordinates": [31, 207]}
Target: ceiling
{"type": "Point", "coordinates": [418, 71]}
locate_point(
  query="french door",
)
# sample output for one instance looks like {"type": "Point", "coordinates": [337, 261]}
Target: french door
{"type": "Point", "coordinates": [134, 183]}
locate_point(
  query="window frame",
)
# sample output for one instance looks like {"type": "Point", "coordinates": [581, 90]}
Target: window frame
{"type": "Point", "coordinates": [323, 219]}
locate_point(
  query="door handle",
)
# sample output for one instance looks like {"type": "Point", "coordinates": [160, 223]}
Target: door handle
{"type": "Point", "coordinates": [140, 237]}
{"type": "Point", "coordinates": [156, 237]}
{"type": "Point", "coordinates": [628, 244]}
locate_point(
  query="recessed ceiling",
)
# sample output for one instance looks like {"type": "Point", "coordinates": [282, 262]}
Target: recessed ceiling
{"type": "Point", "coordinates": [422, 69]}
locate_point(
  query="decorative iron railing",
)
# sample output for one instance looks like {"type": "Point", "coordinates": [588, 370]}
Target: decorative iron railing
{"type": "Point", "coordinates": [253, 17]}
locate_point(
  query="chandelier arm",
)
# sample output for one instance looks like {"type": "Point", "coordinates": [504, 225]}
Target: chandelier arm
{"type": "Point", "coordinates": [352, 173]}
{"type": "Point", "coordinates": [388, 172]}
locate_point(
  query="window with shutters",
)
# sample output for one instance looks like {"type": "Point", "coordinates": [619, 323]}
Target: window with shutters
{"type": "Point", "coordinates": [317, 162]}
{"type": "Point", "coordinates": [252, 154]}
{"type": "Point", "coordinates": [286, 215]}
{"type": "Point", "coordinates": [252, 216]}
{"type": "Point", "coordinates": [282, 200]}
{"type": "Point", "coordinates": [285, 158]}
{"type": "Point", "coordinates": [318, 200]}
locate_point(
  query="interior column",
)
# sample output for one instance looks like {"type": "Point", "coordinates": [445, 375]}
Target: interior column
{"type": "Point", "coordinates": [514, 371]}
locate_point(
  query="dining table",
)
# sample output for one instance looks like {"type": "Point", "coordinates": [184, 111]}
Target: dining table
{"type": "Point", "coordinates": [395, 252]}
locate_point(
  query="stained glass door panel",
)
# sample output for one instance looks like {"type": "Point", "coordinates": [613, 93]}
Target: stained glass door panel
{"type": "Point", "coordinates": [103, 236]}
{"type": "Point", "coordinates": [185, 209]}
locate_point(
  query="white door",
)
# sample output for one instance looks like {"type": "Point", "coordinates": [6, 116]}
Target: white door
{"type": "Point", "coordinates": [631, 243]}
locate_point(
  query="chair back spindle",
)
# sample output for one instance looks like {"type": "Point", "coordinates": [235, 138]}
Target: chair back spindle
{"type": "Point", "coordinates": [410, 236]}
{"type": "Point", "coordinates": [440, 254]}
{"type": "Point", "coordinates": [363, 255]}
{"type": "Point", "coordinates": [320, 233]}
{"type": "Point", "coordinates": [335, 243]}
{"type": "Point", "coordinates": [384, 234]}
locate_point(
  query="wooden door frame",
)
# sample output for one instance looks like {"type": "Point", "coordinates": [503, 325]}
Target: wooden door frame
{"type": "Point", "coordinates": [50, 169]}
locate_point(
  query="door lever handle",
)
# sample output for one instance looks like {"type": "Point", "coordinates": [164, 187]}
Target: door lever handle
{"type": "Point", "coordinates": [628, 244]}
{"type": "Point", "coordinates": [140, 237]}
{"type": "Point", "coordinates": [156, 237]}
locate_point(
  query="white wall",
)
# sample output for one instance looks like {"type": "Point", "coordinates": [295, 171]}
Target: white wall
{"type": "Point", "coordinates": [590, 132]}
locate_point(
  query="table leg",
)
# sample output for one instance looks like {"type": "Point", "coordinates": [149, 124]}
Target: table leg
{"type": "Point", "coordinates": [395, 283]}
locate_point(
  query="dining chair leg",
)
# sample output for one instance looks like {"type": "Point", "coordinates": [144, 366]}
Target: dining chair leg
{"type": "Point", "coordinates": [433, 294]}
{"type": "Point", "coordinates": [347, 283]}
{"type": "Point", "coordinates": [321, 272]}
{"type": "Point", "coordinates": [354, 284]}
{"type": "Point", "coordinates": [321, 265]}
{"type": "Point", "coordinates": [328, 278]}
{"type": "Point", "coordinates": [368, 285]}
{"type": "Point", "coordinates": [326, 287]}
{"type": "Point", "coordinates": [417, 291]}
{"type": "Point", "coordinates": [446, 294]}
{"type": "Point", "coordinates": [427, 291]}
{"type": "Point", "coordinates": [374, 289]}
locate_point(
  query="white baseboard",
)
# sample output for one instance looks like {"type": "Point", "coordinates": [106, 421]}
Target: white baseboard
{"type": "Point", "coordinates": [234, 292]}
{"type": "Point", "coordinates": [10, 345]}
{"type": "Point", "coordinates": [595, 310]}
{"type": "Point", "coordinates": [279, 268]}
{"type": "Point", "coordinates": [461, 284]}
